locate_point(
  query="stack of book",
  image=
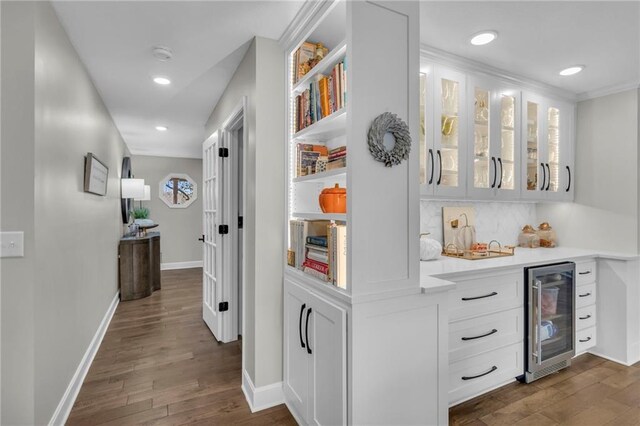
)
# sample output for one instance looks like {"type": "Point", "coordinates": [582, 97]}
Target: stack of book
{"type": "Point", "coordinates": [337, 158]}
{"type": "Point", "coordinates": [319, 249]}
{"type": "Point", "coordinates": [324, 96]}
{"type": "Point", "coordinates": [307, 156]}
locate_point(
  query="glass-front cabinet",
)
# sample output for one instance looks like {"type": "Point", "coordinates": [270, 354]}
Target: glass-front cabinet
{"type": "Point", "coordinates": [493, 144]}
{"type": "Point", "coordinates": [547, 164]}
{"type": "Point", "coordinates": [443, 139]}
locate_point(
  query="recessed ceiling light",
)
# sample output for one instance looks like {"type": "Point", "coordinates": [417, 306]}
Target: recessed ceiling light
{"type": "Point", "coordinates": [163, 81]}
{"type": "Point", "coordinates": [161, 128]}
{"type": "Point", "coordinates": [572, 70]}
{"type": "Point", "coordinates": [484, 37]}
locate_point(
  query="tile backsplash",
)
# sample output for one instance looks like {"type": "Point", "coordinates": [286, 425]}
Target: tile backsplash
{"type": "Point", "coordinates": [494, 221]}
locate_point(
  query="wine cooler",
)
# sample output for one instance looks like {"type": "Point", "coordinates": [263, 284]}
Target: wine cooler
{"type": "Point", "coordinates": [550, 323]}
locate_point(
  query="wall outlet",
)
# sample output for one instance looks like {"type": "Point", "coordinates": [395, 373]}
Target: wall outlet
{"type": "Point", "coordinates": [12, 244]}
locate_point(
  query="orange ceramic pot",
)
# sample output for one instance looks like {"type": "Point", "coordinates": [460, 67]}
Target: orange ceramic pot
{"type": "Point", "coordinates": [333, 200]}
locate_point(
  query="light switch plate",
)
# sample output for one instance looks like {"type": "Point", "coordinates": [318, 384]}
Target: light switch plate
{"type": "Point", "coordinates": [11, 244]}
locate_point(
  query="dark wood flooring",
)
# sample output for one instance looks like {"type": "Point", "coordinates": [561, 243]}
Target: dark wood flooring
{"type": "Point", "coordinates": [592, 392]}
{"type": "Point", "coordinates": [159, 364]}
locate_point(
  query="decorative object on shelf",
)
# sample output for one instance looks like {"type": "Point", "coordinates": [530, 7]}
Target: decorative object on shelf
{"type": "Point", "coordinates": [528, 237]}
{"type": "Point", "coordinates": [466, 235]}
{"type": "Point", "coordinates": [547, 235]}
{"type": "Point", "coordinates": [429, 248]}
{"type": "Point", "coordinates": [389, 123]}
{"type": "Point", "coordinates": [96, 175]}
{"type": "Point", "coordinates": [451, 250]}
{"type": "Point", "coordinates": [303, 55]}
{"type": "Point", "coordinates": [457, 221]}
{"type": "Point", "coordinates": [321, 164]}
{"type": "Point", "coordinates": [178, 190]}
{"type": "Point", "coordinates": [333, 200]}
{"type": "Point", "coordinates": [131, 188]}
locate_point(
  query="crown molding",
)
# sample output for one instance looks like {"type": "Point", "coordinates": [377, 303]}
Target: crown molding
{"type": "Point", "coordinates": [609, 90]}
{"type": "Point", "coordinates": [442, 57]}
{"type": "Point", "coordinates": [307, 14]}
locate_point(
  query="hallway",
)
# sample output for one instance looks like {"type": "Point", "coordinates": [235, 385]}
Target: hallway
{"type": "Point", "coordinates": [159, 364]}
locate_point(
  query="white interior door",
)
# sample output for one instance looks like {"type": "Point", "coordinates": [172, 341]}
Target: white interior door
{"type": "Point", "coordinates": [213, 247]}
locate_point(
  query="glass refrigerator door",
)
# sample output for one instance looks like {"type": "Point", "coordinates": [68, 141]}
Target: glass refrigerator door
{"type": "Point", "coordinates": [552, 310]}
{"type": "Point", "coordinates": [507, 130]}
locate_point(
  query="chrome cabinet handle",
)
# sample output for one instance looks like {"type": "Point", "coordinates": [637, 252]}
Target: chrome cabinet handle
{"type": "Point", "coordinates": [494, 368]}
{"type": "Point", "coordinates": [584, 295]}
{"type": "Point", "coordinates": [585, 340]}
{"type": "Point", "coordinates": [584, 318]}
{"type": "Point", "coordinates": [465, 299]}
{"type": "Point", "coordinates": [481, 336]}
{"type": "Point", "coordinates": [432, 166]}
{"type": "Point", "coordinates": [538, 354]}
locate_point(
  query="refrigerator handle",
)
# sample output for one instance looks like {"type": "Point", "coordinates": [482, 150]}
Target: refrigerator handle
{"type": "Point", "coordinates": [538, 353]}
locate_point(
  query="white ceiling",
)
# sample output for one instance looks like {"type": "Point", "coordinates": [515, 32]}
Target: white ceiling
{"type": "Point", "coordinates": [208, 39]}
{"type": "Point", "coordinates": [114, 40]}
{"type": "Point", "coordinates": [539, 38]}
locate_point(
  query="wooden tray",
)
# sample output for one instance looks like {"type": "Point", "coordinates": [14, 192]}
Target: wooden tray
{"type": "Point", "coordinates": [490, 253]}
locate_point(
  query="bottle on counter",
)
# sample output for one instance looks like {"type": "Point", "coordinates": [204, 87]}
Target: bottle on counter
{"type": "Point", "coordinates": [528, 237]}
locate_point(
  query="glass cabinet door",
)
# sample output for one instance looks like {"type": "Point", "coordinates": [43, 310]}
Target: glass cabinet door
{"type": "Point", "coordinates": [553, 150]}
{"type": "Point", "coordinates": [483, 174]}
{"type": "Point", "coordinates": [423, 130]}
{"type": "Point", "coordinates": [532, 182]}
{"type": "Point", "coordinates": [448, 158]}
{"type": "Point", "coordinates": [507, 156]}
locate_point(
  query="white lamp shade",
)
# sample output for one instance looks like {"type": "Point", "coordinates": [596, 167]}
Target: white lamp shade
{"type": "Point", "coordinates": [132, 188]}
{"type": "Point", "coordinates": [147, 194]}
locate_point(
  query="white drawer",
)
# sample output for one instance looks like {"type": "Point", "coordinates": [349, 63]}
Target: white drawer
{"type": "Point", "coordinates": [485, 295]}
{"type": "Point", "coordinates": [474, 336]}
{"type": "Point", "coordinates": [473, 376]}
{"type": "Point", "coordinates": [585, 339]}
{"type": "Point", "coordinates": [585, 272]}
{"type": "Point", "coordinates": [585, 295]}
{"type": "Point", "coordinates": [586, 317]}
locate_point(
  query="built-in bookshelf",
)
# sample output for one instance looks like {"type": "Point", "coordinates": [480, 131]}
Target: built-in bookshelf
{"type": "Point", "coordinates": [317, 151]}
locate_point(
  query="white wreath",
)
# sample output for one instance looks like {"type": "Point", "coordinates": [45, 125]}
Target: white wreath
{"type": "Point", "coordinates": [389, 123]}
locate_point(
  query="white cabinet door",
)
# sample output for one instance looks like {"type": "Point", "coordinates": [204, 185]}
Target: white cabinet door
{"type": "Point", "coordinates": [327, 343]}
{"type": "Point", "coordinates": [559, 140]}
{"type": "Point", "coordinates": [296, 358]}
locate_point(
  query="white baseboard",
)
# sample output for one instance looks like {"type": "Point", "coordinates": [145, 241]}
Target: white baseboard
{"type": "Point", "coordinates": [263, 397]}
{"type": "Point", "coordinates": [69, 398]}
{"type": "Point", "coordinates": [617, 361]}
{"type": "Point", "coordinates": [181, 265]}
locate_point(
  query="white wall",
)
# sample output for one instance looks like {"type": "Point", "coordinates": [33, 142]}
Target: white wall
{"type": "Point", "coordinates": [259, 77]}
{"type": "Point", "coordinates": [605, 212]}
{"type": "Point", "coordinates": [179, 228]}
{"type": "Point", "coordinates": [55, 297]}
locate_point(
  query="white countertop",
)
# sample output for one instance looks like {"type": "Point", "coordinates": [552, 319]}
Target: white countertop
{"type": "Point", "coordinates": [434, 274]}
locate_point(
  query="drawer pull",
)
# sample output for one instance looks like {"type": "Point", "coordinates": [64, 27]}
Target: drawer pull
{"type": "Point", "coordinates": [584, 295]}
{"type": "Point", "coordinates": [585, 340]}
{"type": "Point", "coordinates": [586, 317]}
{"type": "Point", "coordinates": [494, 368]}
{"type": "Point", "coordinates": [464, 299]}
{"type": "Point", "coordinates": [584, 273]}
{"type": "Point", "coordinates": [481, 336]}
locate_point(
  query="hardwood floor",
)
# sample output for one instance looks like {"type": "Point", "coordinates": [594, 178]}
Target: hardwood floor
{"type": "Point", "coordinates": [592, 392]}
{"type": "Point", "coordinates": [159, 364]}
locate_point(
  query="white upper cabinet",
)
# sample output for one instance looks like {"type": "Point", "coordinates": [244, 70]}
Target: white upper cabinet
{"type": "Point", "coordinates": [547, 149]}
{"type": "Point", "coordinates": [443, 138]}
{"type": "Point", "coordinates": [493, 147]}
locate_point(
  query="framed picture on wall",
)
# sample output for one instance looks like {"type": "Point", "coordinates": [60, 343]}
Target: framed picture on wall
{"type": "Point", "coordinates": [96, 175]}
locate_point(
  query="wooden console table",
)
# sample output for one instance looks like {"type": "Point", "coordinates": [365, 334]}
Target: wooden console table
{"type": "Point", "coordinates": [139, 266]}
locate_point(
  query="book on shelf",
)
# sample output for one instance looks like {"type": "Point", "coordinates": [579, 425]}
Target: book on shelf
{"type": "Point", "coordinates": [324, 96]}
{"type": "Point", "coordinates": [318, 241]}
{"type": "Point", "coordinates": [337, 164]}
{"type": "Point", "coordinates": [307, 156]}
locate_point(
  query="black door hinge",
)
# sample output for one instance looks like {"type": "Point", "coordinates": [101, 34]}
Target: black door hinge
{"type": "Point", "coordinates": [223, 306]}
{"type": "Point", "coordinates": [240, 222]}
{"type": "Point", "coordinates": [223, 229]}
{"type": "Point", "coordinates": [223, 152]}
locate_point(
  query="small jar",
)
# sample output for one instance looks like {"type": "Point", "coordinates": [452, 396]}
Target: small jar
{"type": "Point", "coordinates": [547, 235]}
{"type": "Point", "coordinates": [528, 238]}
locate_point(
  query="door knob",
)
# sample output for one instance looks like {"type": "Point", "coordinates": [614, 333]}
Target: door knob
{"type": "Point", "coordinates": [201, 238]}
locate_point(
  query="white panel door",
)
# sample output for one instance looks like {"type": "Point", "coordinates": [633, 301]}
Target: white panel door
{"type": "Point", "coordinates": [212, 271]}
{"type": "Point", "coordinates": [325, 327]}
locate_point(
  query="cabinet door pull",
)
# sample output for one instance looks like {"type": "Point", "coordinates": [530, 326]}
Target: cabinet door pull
{"type": "Point", "coordinates": [432, 165]}
{"type": "Point", "coordinates": [304, 305]}
{"type": "Point", "coordinates": [306, 332]}
{"type": "Point", "coordinates": [465, 299]}
{"type": "Point", "coordinates": [584, 295]}
{"type": "Point", "coordinates": [439, 167]}
{"type": "Point", "coordinates": [501, 172]}
{"type": "Point", "coordinates": [481, 336]}
{"type": "Point", "coordinates": [495, 172]}
{"type": "Point", "coordinates": [585, 340]}
{"type": "Point", "coordinates": [494, 368]}
{"type": "Point", "coordinates": [584, 273]}
{"type": "Point", "coordinates": [544, 176]}
{"type": "Point", "coordinates": [585, 317]}
{"type": "Point", "coordinates": [569, 184]}
{"type": "Point", "coordinates": [548, 177]}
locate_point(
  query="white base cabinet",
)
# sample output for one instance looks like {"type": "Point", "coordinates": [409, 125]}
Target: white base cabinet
{"type": "Point", "coordinates": [585, 318]}
{"type": "Point", "coordinates": [315, 358]}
